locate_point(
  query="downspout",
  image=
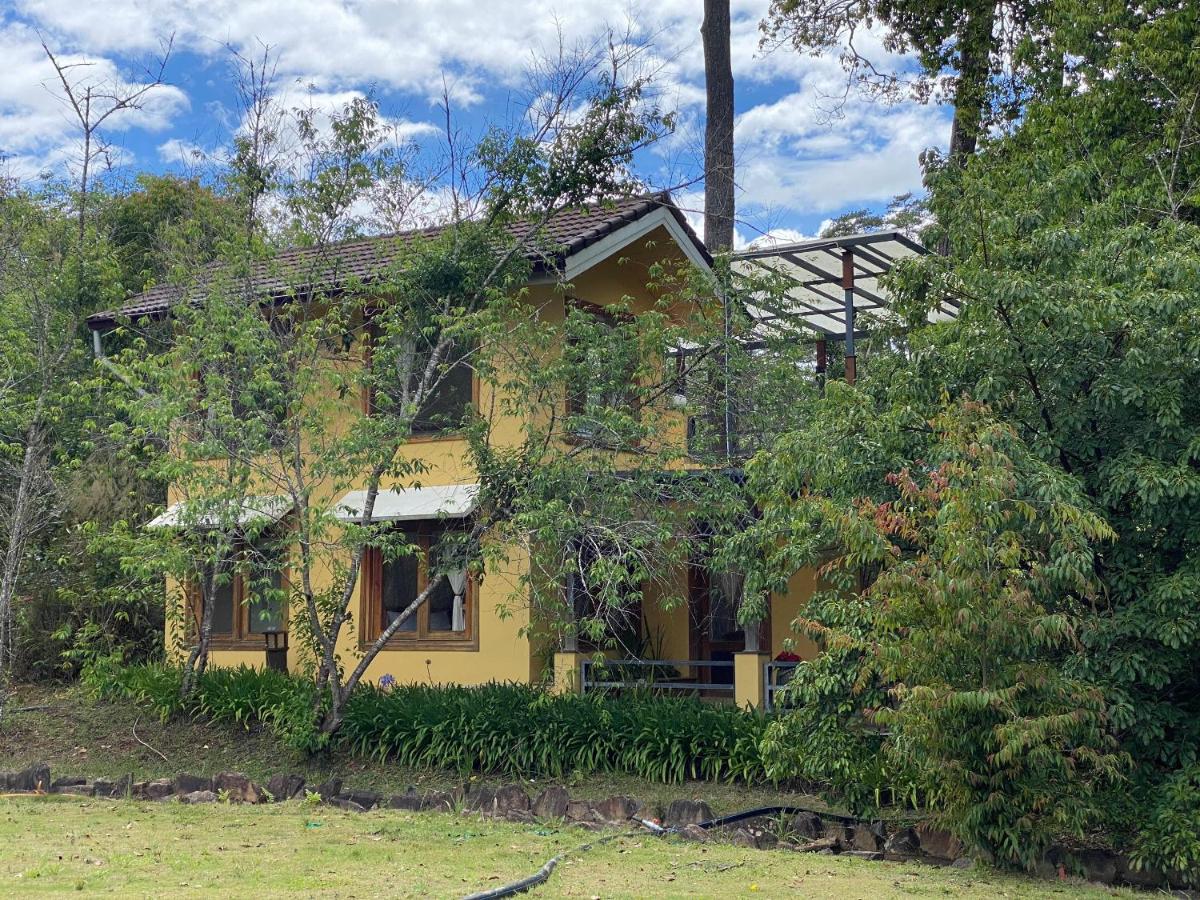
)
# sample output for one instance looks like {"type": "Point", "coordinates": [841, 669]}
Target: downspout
{"type": "Point", "coordinates": [728, 316]}
{"type": "Point", "coordinates": [98, 353]}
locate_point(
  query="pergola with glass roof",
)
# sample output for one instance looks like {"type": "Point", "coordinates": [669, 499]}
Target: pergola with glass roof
{"type": "Point", "coordinates": [828, 282]}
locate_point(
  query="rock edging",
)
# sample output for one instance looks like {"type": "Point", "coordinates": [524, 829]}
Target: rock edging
{"type": "Point", "coordinates": [805, 832]}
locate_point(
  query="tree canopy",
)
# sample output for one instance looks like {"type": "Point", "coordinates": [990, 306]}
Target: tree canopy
{"type": "Point", "coordinates": [1073, 244]}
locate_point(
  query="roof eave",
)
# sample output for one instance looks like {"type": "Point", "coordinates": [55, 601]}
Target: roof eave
{"type": "Point", "coordinates": [564, 263]}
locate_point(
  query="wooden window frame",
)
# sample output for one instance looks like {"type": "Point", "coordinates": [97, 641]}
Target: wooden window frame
{"type": "Point", "coordinates": [367, 398]}
{"type": "Point", "coordinates": [241, 638]}
{"type": "Point", "coordinates": [371, 601]}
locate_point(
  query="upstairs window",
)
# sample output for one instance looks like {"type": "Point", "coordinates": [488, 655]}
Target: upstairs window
{"type": "Point", "coordinates": [449, 401]}
{"type": "Point", "coordinates": [603, 380]}
{"type": "Point", "coordinates": [446, 404]}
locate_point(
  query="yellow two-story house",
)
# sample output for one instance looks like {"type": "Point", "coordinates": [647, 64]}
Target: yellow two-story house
{"type": "Point", "coordinates": [468, 632]}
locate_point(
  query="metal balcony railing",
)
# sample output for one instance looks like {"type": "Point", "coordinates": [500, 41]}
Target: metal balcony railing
{"type": "Point", "coordinates": [655, 674]}
{"type": "Point", "coordinates": [776, 676]}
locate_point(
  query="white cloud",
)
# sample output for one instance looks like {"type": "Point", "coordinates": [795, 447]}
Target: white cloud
{"type": "Point", "coordinates": [305, 93]}
{"type": "Point", "coordinates": [403, 46]}
{"type": "Point", "coordinates": [792, 159]}
{"type": "Point", "coordinates": [38, 130]}
{"type": "Point", "coordinates": [871, 157]}
{"type": "Point", "coordinates": [178, 152]}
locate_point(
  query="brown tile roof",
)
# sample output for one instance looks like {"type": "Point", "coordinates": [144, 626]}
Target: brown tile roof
{"type": "Point", "coordinates": [567, 233]}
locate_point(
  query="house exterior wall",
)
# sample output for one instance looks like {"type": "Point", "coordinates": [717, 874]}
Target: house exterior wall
{"type": "Point", "coordinates": [785, 608]}
{"type": "Point", "coordinates": [504, 651]}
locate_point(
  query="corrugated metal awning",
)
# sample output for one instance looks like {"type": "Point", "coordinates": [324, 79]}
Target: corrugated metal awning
{"type": "Point", "coordinates": [201, 513]}
{"type": "Point", "coordinates": [450, 501]}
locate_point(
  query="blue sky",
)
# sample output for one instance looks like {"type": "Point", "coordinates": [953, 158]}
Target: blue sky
{"type": "Point", "coordinates": [797, 166]}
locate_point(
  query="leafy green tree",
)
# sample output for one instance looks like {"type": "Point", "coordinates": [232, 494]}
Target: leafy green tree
{"type": "Point", "coordinates": [905, 212]}
{"type": "Point", "coordinates": [55, 267]}
{"type": "Point", "coordinates": [962, 48]}
{"type": "Point", "coordinates": [254, 401]}
{"type": "Point", "coordinates": [44, 412]}
{"type": "Point", "coordinates": [1076, 249]}
{"type": "Point", "coordinates": [1072, 247]}
{"type": "Point", "coordinates": [945, 678]}
{"type": "Point", "coordinates": [161, 215]}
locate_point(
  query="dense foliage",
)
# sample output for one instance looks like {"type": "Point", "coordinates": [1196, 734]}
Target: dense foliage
{"type": "Point", "coordinates": [981, 565]}
{"type": "Point", "coordinates": [1073, 246]}
{"type": "Point", "coordinates": [61, 488]}
{"type": "Point", "coordinates": [501, 729]}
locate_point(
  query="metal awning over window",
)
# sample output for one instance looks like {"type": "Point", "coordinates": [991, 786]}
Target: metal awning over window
{"type": "Point", "coordinates": [222, 513]}
{"type": "Point", "coordinates": [451, 501]}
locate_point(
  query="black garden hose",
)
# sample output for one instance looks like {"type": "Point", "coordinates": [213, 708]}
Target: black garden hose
{"type": "Point", "coordinates": [543, 874]}
{"type": "Point", "coordinates": [722, 821]}
{"type": "Point", "coordinates": [520, 887]}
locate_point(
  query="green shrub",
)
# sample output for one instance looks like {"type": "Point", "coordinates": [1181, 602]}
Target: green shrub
{"type": "Point", "coordinates": [1168, 835]}
{"type": "Point", "coordinates": [518, 730]}
{"type": "Point", "coordinates": [153, 684]}
{"type": "Point", "coordinates": [282, 703]}
{"type": "Point", "coordinates": [503, 729]}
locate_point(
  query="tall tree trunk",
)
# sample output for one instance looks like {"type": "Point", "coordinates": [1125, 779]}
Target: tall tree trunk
{"type": "Point", "coordinates": [197, 659]}
{"type": "Point", "coordinates": [718, 127]}
{"type": "Point", "coordinates": [974, 69]}
{"type": "Point", "coordinates": [971, 89]}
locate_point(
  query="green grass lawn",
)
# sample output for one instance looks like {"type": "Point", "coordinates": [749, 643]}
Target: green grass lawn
{"type": "Point", "coordinates": [60, 845]}
{"type": "Point", "coordinates": [57, 845]}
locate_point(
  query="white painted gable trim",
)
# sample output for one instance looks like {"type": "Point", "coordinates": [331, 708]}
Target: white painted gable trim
{"type": "Point", "coordinates": [578, 263]}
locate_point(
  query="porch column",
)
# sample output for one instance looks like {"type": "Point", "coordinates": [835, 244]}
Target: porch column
{"type": "Point", "coordinates": [568, 661]}
{"type": "Point", "coordinates": [567, 671]}
{"type": "Point", "coordinates": [749, 691]}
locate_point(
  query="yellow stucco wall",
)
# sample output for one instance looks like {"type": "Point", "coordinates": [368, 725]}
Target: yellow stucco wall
{"type": "Point", "coordinates": [665, 618]}
{"type": "Point", "coordinates": [504, 652]}
{"type": "Point", "coordinates": [784, 610]}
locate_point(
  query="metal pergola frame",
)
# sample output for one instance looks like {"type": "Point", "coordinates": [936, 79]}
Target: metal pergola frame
{"type": "Point", "coordinates": [831, 281]}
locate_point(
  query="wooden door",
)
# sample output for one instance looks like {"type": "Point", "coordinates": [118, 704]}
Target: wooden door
{"type": "Point", "coordinates": [713, 629]}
